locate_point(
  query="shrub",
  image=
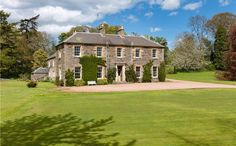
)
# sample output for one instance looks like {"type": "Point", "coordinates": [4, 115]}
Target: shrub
{"type": "Point", "coordinates": [80, 83]}
{"type": "Point", "coordinates": [24, 77]}
{"type": "Point", "coordinates": [111, 75]}
{"type": "Point", "coordinates": [222, 75]}
{"type": "Point", "coordinates": [162, 72]}
{"type": "Point", "coordinates": [130, 74]}
{"type": "Point", "coordinates": [61, 83]}
{"type": "Point", "coordinates": [69, 76]}
{"type": "Point", "coordinates": [147, 75]}
{"type": "Point", "coordinates": [32, 84]}
{"type": "Point", "coordinates": [57, 81]}
{"type": "Point", "coordinates": [210, 67]}
{"type": "Point", "coordinates": [102, 81]}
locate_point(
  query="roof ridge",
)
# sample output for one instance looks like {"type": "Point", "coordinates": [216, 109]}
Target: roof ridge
{"type": "Point", "coordinates": [153, 42]}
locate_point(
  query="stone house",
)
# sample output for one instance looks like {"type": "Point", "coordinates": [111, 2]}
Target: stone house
{"type": "Point", "coordinates": [40, 74]}
{"type": "Point", "coordinates": [118, 50]}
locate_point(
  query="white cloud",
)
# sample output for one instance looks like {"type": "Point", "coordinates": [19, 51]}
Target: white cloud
{"type": "Point", "coordinates": [149, 14]}
{"type": "Point", "coordinates": [155, 29]}
{"type": "Point", "coordinates": [58, 15]}
{"type": "Point", "coordinates": [173, 13]}
{"type": "Point", "coordinates": [132, 18]}
{"type": "Point", "coordinates": [166, 4]}
{"type": "Point", "coordinates": [223, 2]}
{"type": "Point", "coordinates": [193, 6]}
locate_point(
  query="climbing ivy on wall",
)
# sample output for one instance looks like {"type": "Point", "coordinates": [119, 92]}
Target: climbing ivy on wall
{"type": "Point", "coordinates": [147, 74]}
{"type": "Point", "coordinates": [89, 67]}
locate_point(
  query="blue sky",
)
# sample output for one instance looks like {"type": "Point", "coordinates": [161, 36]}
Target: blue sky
{"type": "Point", "coordinates": [166, 18]}
{"type": "Point", "coordinates": [153, 20]}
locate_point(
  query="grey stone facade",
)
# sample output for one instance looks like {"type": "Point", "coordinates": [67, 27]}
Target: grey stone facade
{"type": "Point", "coordinates": [88, 43]}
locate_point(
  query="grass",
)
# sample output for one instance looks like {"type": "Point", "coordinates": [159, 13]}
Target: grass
{"type": "Point", "coordinates": [206, 76]}
{"type": "Point", "coordinates": [204, 117]}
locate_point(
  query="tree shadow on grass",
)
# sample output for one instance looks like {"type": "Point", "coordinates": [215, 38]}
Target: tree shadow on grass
{"type": "Point", "coordinates": [188, 141]}
{"type": "Point", "coordinates": [40, 130]}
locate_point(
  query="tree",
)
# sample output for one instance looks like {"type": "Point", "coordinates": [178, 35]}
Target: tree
{"type": "Point", "coordinates": [162, 41]}
{"type": "Point", "coordinates": [231, 57]}
{"type": "Point", "coordinates": [39, 58]}
{"type": "Point", "coordinates": [220, 47]}
{"type": "Point", "coordinates": [187, 56]}
{"type": "Point", "coordinates": [225, 20]}
{"type": "Point", "coordinates": [198, 26]}
{"type": "Point", "coordinates": [69, 76]}
{"type": "Point", "coordinates": [8, 37]}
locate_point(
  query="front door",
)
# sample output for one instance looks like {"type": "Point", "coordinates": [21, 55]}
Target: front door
{"type": "Point", "coordinates": [119, 73]}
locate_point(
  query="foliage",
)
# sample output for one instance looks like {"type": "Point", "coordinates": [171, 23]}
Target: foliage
{"type": "Point", "coordinates": [220, 46]}
{"type": "Point", "coordinates": [80, 83]}
{"type": "Point", "coordinates": [147, 74]}
{"type": "Point", "coordinates": [102, 81]}
{"type": "Point", "coordinates": [69, 77]}
{"type": "Point", "coordinates": [57, 81]}
{"type": "Point", "coordinates": [222, 75]}
{"type": "Point", "coordinates": [170, 69]}
{"type": "Point", "coordinates": [162, 72]}
{"type": "Point", "coordinates": [187, 56]}
{"type": "Point", "coordinates": [225, 20]}
{"type": "Point", "coordinates": [32, 84]}
{"type": "Point", "coordinates": [231, 55]}
{"type": "Point", "coordinates": [17, 44]}
{"type": "Point", "coordinates": [8, 55]}
{"type": "Point", "coordinates": [130, 75]}
{"type": "Point", "coordinates": [39, 59]}
{"type": "Point", "coordinates": [89, 67]}
{"type": "Point", "coordinates": [111, 75]}
{"type": "Point", "coordinates": [41, 130]}
{"type": "Point", "coordinates": [24, 77]}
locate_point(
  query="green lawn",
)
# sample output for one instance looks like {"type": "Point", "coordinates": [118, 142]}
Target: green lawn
{"type": "Point", "coordinates": [207, 76]}
{"type": "Point", "coordinates": [204, 117]}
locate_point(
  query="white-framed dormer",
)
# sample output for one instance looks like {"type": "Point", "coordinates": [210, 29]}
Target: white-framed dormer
{"type": "Point", "coordinates": [154, 54]}
{"type": "Point", "coordinates": [138, 71]}
{"type": "Point", "coordinates": [99, 51]}
{"type": "Point", "coordinates": [137, 53]}
{"type": "Point", "coordinates": [78, 72]}
{"type": "Point", "coordinates": [77, 51]}
{"type": "Point", "coordinates": [154, 71]}
{"type": "Point", "coordinates": [119, 52]}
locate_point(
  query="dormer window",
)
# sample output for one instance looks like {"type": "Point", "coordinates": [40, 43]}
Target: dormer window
{"type": "Point", "coordinates": [137, 53]}
{"type": "Point", "coordinates": [77, 51]}
{"type": "Point", "coordinates": [99, 51]}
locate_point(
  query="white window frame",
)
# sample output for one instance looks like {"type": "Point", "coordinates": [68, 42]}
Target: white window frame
{"type": "Point", "coordinates": [101, 72]}
{"type": "Point", "coordinates": [156, 72]}
{"type": "Point", "coordinates": [121, 53]}
{"type": "Point", "coordinates": [140, 74]}
{"type": "Point", "coordinates": [79, 51]}
{"type": "Point", "coordinates": [139, 53]}
{"type": "Point", "coordinates": [59, 54]}
{"type": "Point", "coordinates": [155, 53]}
{"type": "Point", "coordinates": [49, 64]}
{"type": "Point", "coordinates": [101, 51]}
{"type": "Point", "coordinates": [79, 73]}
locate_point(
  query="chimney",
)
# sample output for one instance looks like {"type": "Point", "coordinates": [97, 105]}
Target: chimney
{"type": "Point", "coordinates": [121, 31]}
{"type": "Point", "coordinates": [102, 29]}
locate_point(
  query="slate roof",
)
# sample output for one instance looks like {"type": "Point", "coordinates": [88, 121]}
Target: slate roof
{"type": "Point", "coordinates": [110, 39]}
{"type": "Point", "coordinates": [52, 56]}
{"type": "Point", "coordinates": [41, 70]}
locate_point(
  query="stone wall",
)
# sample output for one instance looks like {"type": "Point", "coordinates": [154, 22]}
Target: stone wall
{"type": "Point", "coordinates": [69, 61]}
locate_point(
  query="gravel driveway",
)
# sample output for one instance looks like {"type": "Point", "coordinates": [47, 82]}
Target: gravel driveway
{"type": "Point", "coordinates": [169, 85]}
